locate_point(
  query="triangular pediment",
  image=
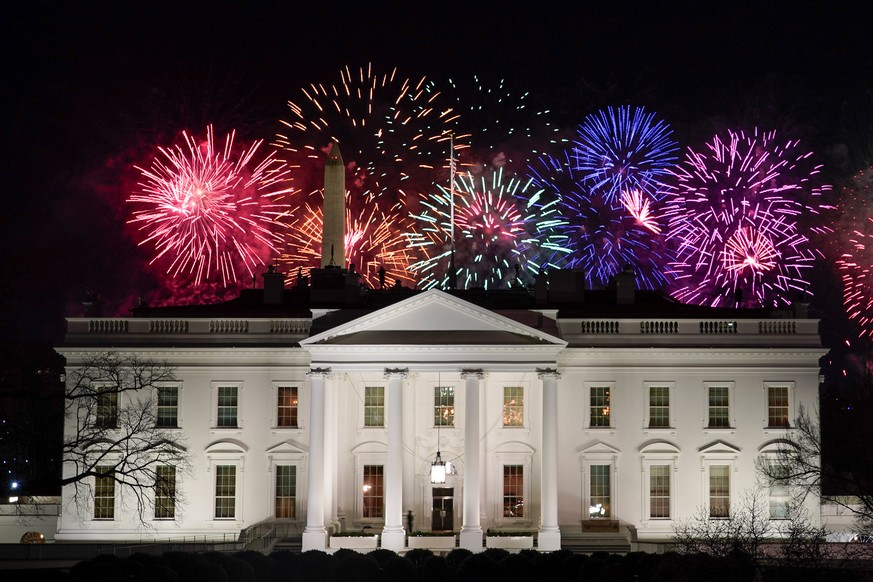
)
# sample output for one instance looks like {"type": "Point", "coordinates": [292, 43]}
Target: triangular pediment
{"type": "Point", "coordinates": [433, 318]}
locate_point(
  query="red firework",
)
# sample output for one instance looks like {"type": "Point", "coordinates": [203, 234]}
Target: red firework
{"type": "Point", "coordinates": [206, 212]}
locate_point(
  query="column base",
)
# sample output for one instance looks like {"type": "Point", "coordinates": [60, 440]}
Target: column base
{"type": "Point", "coordinates": [393, 539]}
{"type": "Point", "coordinates": [471, 539]}
{"type": "Point", "coordinates": [549, 539]}
{"type": "Point", "coordinates": [315, 539]}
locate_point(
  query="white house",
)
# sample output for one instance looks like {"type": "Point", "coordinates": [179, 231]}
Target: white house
{"type": "Point", "coordinates": [565, 412]}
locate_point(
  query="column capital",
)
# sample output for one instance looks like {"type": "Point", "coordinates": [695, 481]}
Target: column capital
{"type": "Point", "coordinates": [395, 372]}
{"type": "Point", "coordinates": [477, 373]}
{"type": "Point", "coordinates": [548, 373]}
{"type": "Point", "coordinates": [322, 372]}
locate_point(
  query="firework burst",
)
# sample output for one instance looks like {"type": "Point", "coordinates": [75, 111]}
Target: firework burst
{"type": "Point", "coordinates": [623, 149]}
{"type": "Point", "coordinates": [598, 236]}
{"type": "Point", "coordinates": [208, 209]}
{"type": "Point", "coordinates": [856, 257]}
{"type": "Point", "coordinates": [393, 132]}
{"type": "Point", "coordinates": [501, 224]}
{"type": "Point", "coordinates": [736, 216]}
{"type": "Point", "coordinates": [376, 238]}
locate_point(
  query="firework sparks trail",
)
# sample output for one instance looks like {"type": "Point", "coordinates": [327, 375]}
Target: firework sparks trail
{"type": "Point", "coordinates": [501, 224]}
{"type": "Point", "coordinates": [624, 149]}
{"type": "Point", "coordinates": [855, 261]}
{"type": "Point", "coordinates": [206, 211]}
{"type": "Point", "coordinates": [376, 238]}
{"type": "Point", "coordinates": [600, 237]}
{"type": "Point", "coordinates": [736, 216]}
{"type": "Point", "coordinates": [392, 131]}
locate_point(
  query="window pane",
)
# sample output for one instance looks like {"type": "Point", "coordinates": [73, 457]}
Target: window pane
{"type": "Point", "coordinates": [780, 497]}
{"type": "Point", "coordinates": [286, 491]}
{"type": "Point", "coordinates": [225, 491]}
{"type": "Point", "coordinates": [600, 502]}
{"type": "Point", "coordinates": [659, 406]}
{"type": "Point", "coordinates": [287, 407]}
{"type": "Point", "coordinates": [719, 491]}
{"type": "Point", "coordinates": [513, 406]}
{"type": "Point", "coordinates": [104, 493]}
{"type": "Point", "coordinates": [165, 492]}
{"type": "Point", "coordinates": [659, 491]}
{"type": "Point", "coordinates": [600, 411]}
{"type": "Point", "coordinates": [444, 406]}
{"type": "Point", "coordinates": [227, 406]}
{"type": "Point", "coordinates": [513, 491]}
{"type": "Point", "coordinates": [777, 406]}
{"type": "Point", "coordinates": [718, 406]}
{"type": "Point", "coordinates": [168, 407]}
{"type": "Point", "coordinates": [107, 408]}
{"type": "Point", "coordinates": [372, 489]}
{"type": "Point", "coordinates": [374, 406]}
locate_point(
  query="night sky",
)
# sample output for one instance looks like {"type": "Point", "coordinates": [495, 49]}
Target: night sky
{"type": "Point", "coordinates": [91, 87]}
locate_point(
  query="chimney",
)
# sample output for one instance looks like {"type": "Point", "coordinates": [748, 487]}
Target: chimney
{"type": "Point", "coordinates": [274, 286]}
{"type": "Point", "coordinates": [625, 287]}
{"type": "Point", "coordinates": [334, 225]}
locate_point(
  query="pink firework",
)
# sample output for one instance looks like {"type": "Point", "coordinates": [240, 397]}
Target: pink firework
{"type": "Point", "coordinates": [375, 239]}
{"type": "Point", "coordinates": [207, 211]}
{"type": "Point", "coordinates": [738, 216]}
{"type": "Point", "coordinates": [856, 271]}
{"type": "Point", "coordinates": [639, 207]}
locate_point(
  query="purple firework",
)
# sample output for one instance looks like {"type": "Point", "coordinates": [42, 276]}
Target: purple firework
{"type": "Point", "coordinates": [736, 216]}
{"type": "Point", "coordinates": [623, 149]}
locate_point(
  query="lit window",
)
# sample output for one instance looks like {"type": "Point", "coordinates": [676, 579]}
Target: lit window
{"type": "Point", "coordinates": [225, 491]}
{"type": "Point", "coordinates": [107, 408]}
{"type": "Point", "coordinates": [165, 492]}
{"type": "Point", "coordinates": [286, 416]}
{"type": "Point", "coordinates": [719, 491]}
{"type": "Point", "coordinates": [443, 406]}
{"type": "Point", "coordinates": [719, 407]}
{"type": "Point", "coordinates": [373, 492]}
{"type": "Point", "coordinates": [286, 491]}
{"type": "Point", "coordinates": [777, 406]}
{"type": "Point", "coordinates": [228, 406]}
{"type": "Point", "coordinates": [659, 491]}
{"type": "Point", "coordinates": [659, 406]}
{"type": "Point", "coordinates": [104, 493]}
{"type": "Point", "coordinates": [600, 501]}
{"type": "Point", "coordinates": [168, 407]}
{"type": "Point", "coordinates": [513, 406]}
{"type": "Point", "coordinates": [600, 409]}
{"type": "Point", "coordinates": [374, 406]}
{"type": "Point", "coordinates": [780, 497]}
{"type": "Point", "coordinates": [513, 490]}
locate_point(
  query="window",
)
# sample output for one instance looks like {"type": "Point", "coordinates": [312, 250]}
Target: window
{"type": "Point", "coordinates": [374, 406]}
{"type": "Point", "coordinates": [600, 488]}
{"type": "Point", "coordinates": [600, 409]}
{"type": "Point", "coordinates": [225, 491]}
{"type": "Point", "coordinates": [659, 491]}
{"type": "Point", "coordinates": [107, 407]}
{"type": "Point", "coordinates": [659, 406]}
{"type": "Point", "coordinates": [373, 492]}
{"type": "Point", "coordinates": [719, 407]}
{"type": "Point", "coordinates": [165, 492]}
{"type": "Point", "coordinates": [777, 407]}
{"type": "Point", "coordinates": [780, 498]}
{"type": "Point", "coordinates": [444, 406]}
{"type": "Point", "coordinates": [104, 493]}
{"type": "Point", "coordinates": [286, 491]}
{"type": "Point", "coordinates": [513, 406]}
{"type": "Point", "coordinates": [719, 491]}
{"type": "Point", "coordinates": [513, 490]}
{"type": "Point", "coordinates": [228, 407]}
{"type": "Point", "coordinates": [286, 407]}
{"type": "Point", "coordinates": [168, 407]}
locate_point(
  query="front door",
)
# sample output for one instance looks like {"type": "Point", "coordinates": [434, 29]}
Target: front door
{"type": "Point", "coordinates": [443, 506]}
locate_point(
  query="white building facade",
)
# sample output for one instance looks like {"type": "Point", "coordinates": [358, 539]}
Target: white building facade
{"type": "Point", "coordinates": [563, 422]}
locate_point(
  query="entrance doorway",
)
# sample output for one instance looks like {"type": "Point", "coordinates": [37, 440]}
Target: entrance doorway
{"type": "Point", "coordinates": [442, 515]}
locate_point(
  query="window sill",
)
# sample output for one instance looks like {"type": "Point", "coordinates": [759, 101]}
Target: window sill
{"type": "Point", "coordinates": [600, 430]}
{"type": "Point", "coordinates": [659, 430]}
{"type": "Point", "coordinates": [719, 430]}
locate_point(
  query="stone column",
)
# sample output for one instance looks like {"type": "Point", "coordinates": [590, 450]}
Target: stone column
{"type": "Point", "coordinates": [471, 530]}
{"type": "Point", "coordinates": [549, 537]}
{"type": "Point", "coordinates": [315, 534]}
{"type": "Point", "coordinates": [393, 535]}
